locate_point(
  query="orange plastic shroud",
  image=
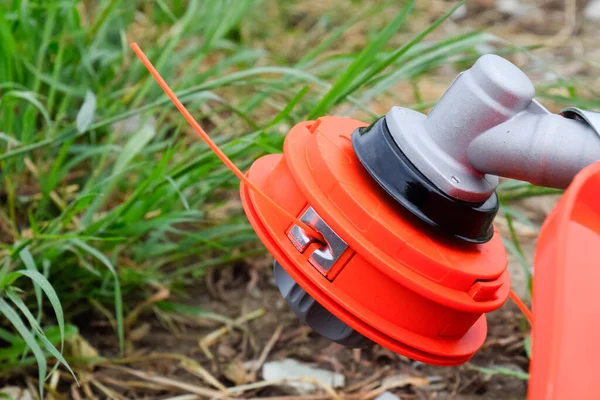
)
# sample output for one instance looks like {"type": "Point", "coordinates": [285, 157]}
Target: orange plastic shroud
{"type": "Point", "coordinates": [399, 284]}
{"type": "Point", "coordinates": [565, 362]}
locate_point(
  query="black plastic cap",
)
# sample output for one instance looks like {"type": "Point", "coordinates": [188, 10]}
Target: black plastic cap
{"type": "Point", "coordinates": [387, 164]}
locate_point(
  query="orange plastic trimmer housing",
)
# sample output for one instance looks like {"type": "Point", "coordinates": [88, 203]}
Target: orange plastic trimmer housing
{"type": "Point", "coordinates": [400, 285]}
{"type": "Point", "coordinates": [565, 362]}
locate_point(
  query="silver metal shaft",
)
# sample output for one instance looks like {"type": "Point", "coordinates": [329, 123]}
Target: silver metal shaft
{"type": "Point", "coordinates": [546, 150]}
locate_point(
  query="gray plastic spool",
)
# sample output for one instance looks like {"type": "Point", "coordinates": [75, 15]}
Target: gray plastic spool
{"type": "Point", "coordinates": [315, 315]}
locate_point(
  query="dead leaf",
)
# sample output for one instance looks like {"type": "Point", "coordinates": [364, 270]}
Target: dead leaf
{"type": "Point", "coordinates": [78, 347]}
{"type": "Point", "coordinates": [237, 373]}
{"type": "Point", "coordinates": [15, 393]}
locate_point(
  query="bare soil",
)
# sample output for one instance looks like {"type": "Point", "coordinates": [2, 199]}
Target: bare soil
{"type": "Point", "coordinates": [243, 289]}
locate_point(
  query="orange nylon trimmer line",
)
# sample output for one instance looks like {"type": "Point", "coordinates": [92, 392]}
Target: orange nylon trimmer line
{"type": "Point", "coordinates": [206, 138]}
{"type": "Point", "coordinates": [522, 306]}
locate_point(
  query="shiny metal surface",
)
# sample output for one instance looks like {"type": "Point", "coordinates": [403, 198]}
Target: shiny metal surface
{"type": "Point", "coordinates": [592, 118]}
{"type": "Point", "coordinates": [329, 252]}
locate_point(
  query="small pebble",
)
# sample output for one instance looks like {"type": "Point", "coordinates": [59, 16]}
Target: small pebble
{"type": "Point", "coordinates": [290, 368]}
{"type": "Point", "coordinates": [460, 13]}
{"type": "Point", "coordinates": [387, 396]}
{"type": "Point", "coordinates": [515, 8]}
{"type": "Point", "coordinates": [592, 11]}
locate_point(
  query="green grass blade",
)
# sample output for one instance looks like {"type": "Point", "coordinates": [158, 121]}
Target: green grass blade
{"type": "Point", "coordinates": [381, 65]}
{"type": "Point", "coordinates": [42, 282]}
{"type": "Point", "coordinates": [54, 82]}
{"type": "Point", "coordinates": [425, 59]}
{"type": "Point", "coordinates": [133, 147]}
{"type": "Point", "coordinates": [40, 333]}
{"type": "Point", "coordinates": [31, 98]}
{"type": "Point", "coordinates": [118, 299]}
{"type": "Point", "coordinates": [166, 10]}
{"type": "Point", "coordinates": [193, 311]}
{"type": "Point", "coordinates": [359, 64]}
{"type": "Point", "coordinates": [16, 321]}
{"type": "Point", "coordinates": [104, 16]}
{"type": "Point", "coordinates": [337, 33]}
{"type": "Point", "coordinates": [7, 336]}
{"type": "Point", "coordinates": [517, 250]}
{"type": "Point", "coordinates": [85, 116]}
{"type": "Point", "coordinates": [288, 108]}
{"type": "Point", "coordinates": [29, 263]}
{"type": "Point", "coordinates": [181, 195]}
{"type": "Point", "coordinates": [500, 371]}
{"type": "Point", "coordinates": [527, 345]}
{"type": "Point", "coordinates": [519, 216]}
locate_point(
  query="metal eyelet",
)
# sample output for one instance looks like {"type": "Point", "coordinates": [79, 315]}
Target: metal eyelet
{"type": "Point", "coordinates": [326, 256]}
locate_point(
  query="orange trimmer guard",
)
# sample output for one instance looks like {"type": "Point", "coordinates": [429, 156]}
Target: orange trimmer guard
{"type": "Point", "coordinates": [566, 306]}
{"type": "Point", "coordinates": [397, 283]}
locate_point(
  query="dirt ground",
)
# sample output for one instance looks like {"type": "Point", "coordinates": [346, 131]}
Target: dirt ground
{"type": "Point", "coordinates": [274, 333]}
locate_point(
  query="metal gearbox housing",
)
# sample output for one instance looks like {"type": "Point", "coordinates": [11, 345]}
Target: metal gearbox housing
{"type": "Point", "coordinates": [488, 124]}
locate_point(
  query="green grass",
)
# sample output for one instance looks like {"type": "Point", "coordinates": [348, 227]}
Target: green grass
{"type": "Point", "coordinates": [104, 191]}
